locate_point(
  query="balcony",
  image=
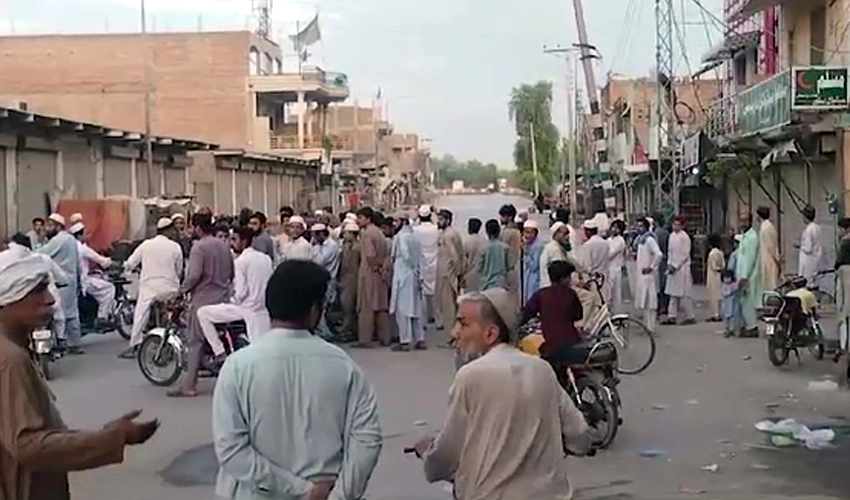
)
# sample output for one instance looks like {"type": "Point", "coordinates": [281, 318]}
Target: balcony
{"type": "Point", "coordinates": [288, 142]}
{"type": "Point", "coordinates": [746, 8]}
{"type": "Point", "coordinates": [316, 84]}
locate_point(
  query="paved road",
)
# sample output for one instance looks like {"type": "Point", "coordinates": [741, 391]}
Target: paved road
{"type": "Point", "coordinates": [698, 402]}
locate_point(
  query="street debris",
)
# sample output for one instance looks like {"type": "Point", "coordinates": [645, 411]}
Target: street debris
{"type": "Point", "coordinates": [660, 407]}
{"type": "Point", "coordinates": [652, 453]}
{"type": "Point", "coordinates": [693, 402]}
{"type": "Point", "coordinates": [772, 406]}
{"type": "Point", "coordinates": [711, 468]}
{"type": "Point", "coordinates": [691, 491]}
{"type": "Point", "coordinates": [724, 441]}
{"type": "Point", "coordinates": [789, 432]}
{"type": "Point", "coordinates": [761, 467]}
{"type": "Point", "coordinates": [420, 423]}
{"type": "Point", "coordinates": [747, 357]}
{"type": "Point", "coordinates": [823, 385]}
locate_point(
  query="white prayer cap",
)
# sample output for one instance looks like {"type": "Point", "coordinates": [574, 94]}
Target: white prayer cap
{"type": "Point", "coordinates": [57, 218]}
{"type": "Point", "coordinates": [76, 228]}
{"type": "Point", "coordinates": [556, 226]}
{"type": "Point", "coordinates": [20, 274]}
{"type": "Point", "coordinates": [351, 226]}
{"type": "Point", "coordinates": [319, 213]}
{"type": "Point", "coordinates": [165, 222]}
{"type": "Point", "coordinates": [76, 217]}
{"type": "Point", "coordinates": [739, 237]}
{"type": "Point", "coordinates": [650, 220]}
{"type": "Point", "coordinates": [531, 224]}
{"type": "Point", "coordinates": [424, 210]}
{"type": "Point", "coordinates": [174, 217]}
{"type": "Point", "coordinates": [350, 216]}
{"type": "Point", "coordinates": [590, 224]}
{"type": "Point", "coordinates": [297, 219]}
{"type": "Point", "coordinates": [505, 306]}
{"type": "Point", "coordinates": [518, 219]}
{"type": "Point", "coordinates": [318, 227]}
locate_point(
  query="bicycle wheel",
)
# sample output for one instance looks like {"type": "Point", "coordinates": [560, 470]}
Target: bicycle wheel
{"type": "Point", "coordinates": [635, 345]}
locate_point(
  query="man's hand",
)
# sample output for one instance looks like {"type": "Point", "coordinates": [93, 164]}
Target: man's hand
{"type": "Point", "coordinates": [321, 489]}
{"type": "Point", "coordinates": [134, 432]}
{"type": "Point", "coordinates": [423, 445]}
{"type": "Point", "coordinates": [646, 270]}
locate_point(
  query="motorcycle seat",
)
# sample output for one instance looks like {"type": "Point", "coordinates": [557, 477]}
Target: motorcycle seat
{"type": "Point", "coordinates": [235, 328]}
{"type": "Point", "coordinates": [598, 352]}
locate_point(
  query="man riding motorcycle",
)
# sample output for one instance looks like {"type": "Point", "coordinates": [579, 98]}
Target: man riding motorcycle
{"type": "Point", "coordinates": [92, 281]}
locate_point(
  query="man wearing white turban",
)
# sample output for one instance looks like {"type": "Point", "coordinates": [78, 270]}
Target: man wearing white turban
{"type": "Point", "coordinates": [37, 450]}
{"type": "Point", "coordinates": [63, 249]}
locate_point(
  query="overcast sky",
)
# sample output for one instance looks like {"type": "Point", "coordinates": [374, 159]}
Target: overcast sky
{"type": "Point", "coordinates": [445, 67]}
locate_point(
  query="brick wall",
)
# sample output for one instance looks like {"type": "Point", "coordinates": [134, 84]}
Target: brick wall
{"type": "Point", "coordinates": [199, 80]}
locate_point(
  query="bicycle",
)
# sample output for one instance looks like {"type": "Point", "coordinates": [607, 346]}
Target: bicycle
{"type": "Point", "coordinates": [604, 324]}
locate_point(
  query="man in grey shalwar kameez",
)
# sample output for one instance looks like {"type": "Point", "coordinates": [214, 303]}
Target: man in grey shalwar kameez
{"type": "Point", "coordinates": [209, 277]}
{"type": "Point", "coordinates": [406, 300]}
{"type": "Point", "coordinates": [63, 249]}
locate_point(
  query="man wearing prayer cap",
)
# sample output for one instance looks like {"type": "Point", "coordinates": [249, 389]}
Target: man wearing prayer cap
{"type": "Point", "coordinates": [482, 445]}
{"type": "Point", "coordinates": [349, 268]}
{"type": "Point", "coordinates": [325, 252]}
{"type": "Point", "coordinates": [532, 249]}
{"type": "Point", "coordinates": [428, 235]}
{"type": "Point", "coordinates": [299, 245]}
{"type": "Point", "coordinates": [161, 260]}
{"type": "Point", "coordinates": [75, 218]}
{"type": "Point", "coordinates": [37, 450]}
{"type": "Point", "coordinates": [92, 282]}
{"type": "Point", "coordinates": [63, 249]}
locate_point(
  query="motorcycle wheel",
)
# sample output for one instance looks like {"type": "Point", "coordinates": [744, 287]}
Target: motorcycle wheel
{"type": "Point", "coordinates": [599, 407]}
{"type": "Point", "coordinates": [124, 319]}
{"type": "Point", "coordinates": [161, 372]}
{"type": "Point", "coordinates": [818, 351]}
{"type": "Point", "coordinates": [777, 351]}
{"type": "Point", "coordinates": [44, 365]}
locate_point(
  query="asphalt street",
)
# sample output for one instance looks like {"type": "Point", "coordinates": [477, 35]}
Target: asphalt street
{"type": "Point", "coordinates": [695, 408]}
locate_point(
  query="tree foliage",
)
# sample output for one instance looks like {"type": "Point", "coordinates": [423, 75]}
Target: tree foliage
{"type": "Point", "coordinates": [530, 108]}
{"type": "Point", "coordinates": [473, 173]}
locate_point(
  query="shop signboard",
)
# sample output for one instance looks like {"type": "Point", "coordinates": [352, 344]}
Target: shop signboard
{"type": "Point", "coordinates": [819, 88]}
{"type": "Point", "coordinates": [765, 106]}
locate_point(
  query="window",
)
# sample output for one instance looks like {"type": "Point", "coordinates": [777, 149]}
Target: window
{"type": "Point", "coordinates": [278, 66]}
{"type": "Point", "coordinates": [740, 68]}
{"type": "Point", "coordinates": [818, 36]}
{"type": "Point", "coordinates": [267, 64]}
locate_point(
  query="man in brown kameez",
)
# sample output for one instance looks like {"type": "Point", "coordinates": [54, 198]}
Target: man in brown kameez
{"type": "Point", "coordinates": [37, 450]}
{"type": "Point", "coordinates": [373, 293]}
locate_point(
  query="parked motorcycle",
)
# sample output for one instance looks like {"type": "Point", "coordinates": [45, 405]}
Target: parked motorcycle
{"type": "Point", "coordinates": [592, 385]}
{"type": "Point", "coordinates": [790, 315]}
{"type": "Point", "coordinates": [163, 354]}
{"type": "Point", "coordinates": [43, 350]}
{"type": "Point", "coordinates": [120, 319]}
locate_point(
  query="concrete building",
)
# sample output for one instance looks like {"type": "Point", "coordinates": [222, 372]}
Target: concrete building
{"type": "Point", "coordinates": [629, 109]}
{"type": "Point", "coordinates": [782, 125]}
{"type": "Point", "coordinates": [229, 88]}
{"type": "Point", "coordinates": [46, 158]}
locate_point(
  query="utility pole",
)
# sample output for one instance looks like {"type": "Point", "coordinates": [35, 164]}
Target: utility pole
{"type": "Point", "coordinates": [571, 129]}
{"type": "Point", "coordinates": [148, 101]}
{"type": "Point", "coordinates": [667, 173]}
{"type": "Point", "coordinates": [534, 159]}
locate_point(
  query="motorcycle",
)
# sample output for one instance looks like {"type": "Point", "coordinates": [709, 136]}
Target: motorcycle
{"type": "Point", "coordinates": [592, 385]}
{"type": "Point", "coordinates": [163, 354]}
{"type": "Point", "coordinates": [120, 319]}
{"type": "Point", "coordinates": [790, 315]}
{"type": "Point", "coordinates": [43, 350]}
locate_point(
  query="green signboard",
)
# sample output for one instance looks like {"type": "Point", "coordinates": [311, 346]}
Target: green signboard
{"type": "Point", "coordinates": [819, 87]}
{"type": "Point", "coordinates": [765, 106]}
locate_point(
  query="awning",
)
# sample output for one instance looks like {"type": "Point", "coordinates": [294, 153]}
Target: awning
{"type": "Point", "coordinates": [731, 45]}
{"type": "Point", "coordinates": [780, 152]}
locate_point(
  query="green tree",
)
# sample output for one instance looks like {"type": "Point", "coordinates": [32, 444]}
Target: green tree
{"type": "Point", "coordinates": [532, 105]}
{"type": "Point", "coordinates": [473, 173]}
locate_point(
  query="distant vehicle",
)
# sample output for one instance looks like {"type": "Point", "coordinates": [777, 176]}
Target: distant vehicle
{"type": "Point", "coordinates": [491, 188]}
{"type": "Point", "coordinates": [457, 186]}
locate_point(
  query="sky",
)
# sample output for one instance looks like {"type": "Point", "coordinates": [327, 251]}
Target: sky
{"type": "Point", "coordinates": [445, 67]}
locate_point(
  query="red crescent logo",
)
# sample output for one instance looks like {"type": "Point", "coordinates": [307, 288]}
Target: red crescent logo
{"type": "Point", "coordinates": [801, 81]}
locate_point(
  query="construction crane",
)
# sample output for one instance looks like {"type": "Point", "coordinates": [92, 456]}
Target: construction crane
{"type": "Point", "coordinates": [262, 12]}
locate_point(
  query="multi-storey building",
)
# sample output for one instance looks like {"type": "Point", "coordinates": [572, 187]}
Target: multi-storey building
{"type": "Point", "coordinates": [228, 88]}
{"type": "Point", "coordinates": [780, 129]}
{"type": "Point", "coordinates": [629, 106]}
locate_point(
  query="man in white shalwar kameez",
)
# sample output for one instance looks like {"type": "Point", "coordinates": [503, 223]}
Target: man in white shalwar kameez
{"type": "Point", "coordinates": [647, 261]}
{"type": "Point", "coordinates": [299, 247]}
{"type": "Point", "coordinates": [811, 248]}
{"type": "Point", "coordinates": [679, 279]}
{"type": "Point", "coordinates": [595, 250]}
{"type": "Point", "coordinates": [406, 301]}
{"type": "Point", "coordinates": [508, 418]}
{"type": "Point", "coordinates": [616, 263]}
{"type": "Point", "coordinates": [428, 235]}
{"type": "Point", "coordinates": [91, 283]}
